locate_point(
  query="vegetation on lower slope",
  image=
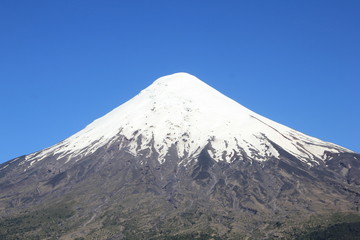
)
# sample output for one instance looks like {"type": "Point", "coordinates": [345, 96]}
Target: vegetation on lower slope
{"type": "Point", "coordinates": [48, 223]}
{"type": "Point", "coordinates": [61, 221]}
{"type": "Point", "coordinates": [334, 232]}
{"type": "Point", "coordinates": [338, 226]}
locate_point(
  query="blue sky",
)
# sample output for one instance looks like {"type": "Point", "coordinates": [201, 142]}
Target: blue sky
{"type": "Point", "coordinates": [65, 63]}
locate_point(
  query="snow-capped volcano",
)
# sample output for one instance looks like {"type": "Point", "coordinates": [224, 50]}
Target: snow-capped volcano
{"type": "Point", "coordinates": [178, 159]}
{"type": "Point", "coordinates": [181, 111]}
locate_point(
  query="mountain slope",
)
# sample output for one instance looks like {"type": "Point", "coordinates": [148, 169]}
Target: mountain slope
{"type": "Point", "coordinates": [180, 109]}
{"type": "Point", "coordinates": [179, 160]}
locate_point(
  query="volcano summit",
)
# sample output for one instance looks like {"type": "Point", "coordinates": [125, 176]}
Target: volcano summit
{"type": "Point", "coordinates": [181, 112]}
{"type": "Point", "coordinates": [180, 160]}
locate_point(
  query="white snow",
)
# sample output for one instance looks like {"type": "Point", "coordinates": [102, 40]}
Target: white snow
{"type": "Point", "coordinates": [180, 109]}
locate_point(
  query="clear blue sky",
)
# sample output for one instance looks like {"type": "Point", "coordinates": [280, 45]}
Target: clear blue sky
{"type": "Point", "coordinates": [65, 63]}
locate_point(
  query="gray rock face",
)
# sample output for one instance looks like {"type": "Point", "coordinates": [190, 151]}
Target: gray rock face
{"type": "Point", "coordinates": [233, 199]}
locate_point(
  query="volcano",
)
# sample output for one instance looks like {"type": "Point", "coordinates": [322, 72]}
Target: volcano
{"type": "Point", "coordinates": [180, 161]}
